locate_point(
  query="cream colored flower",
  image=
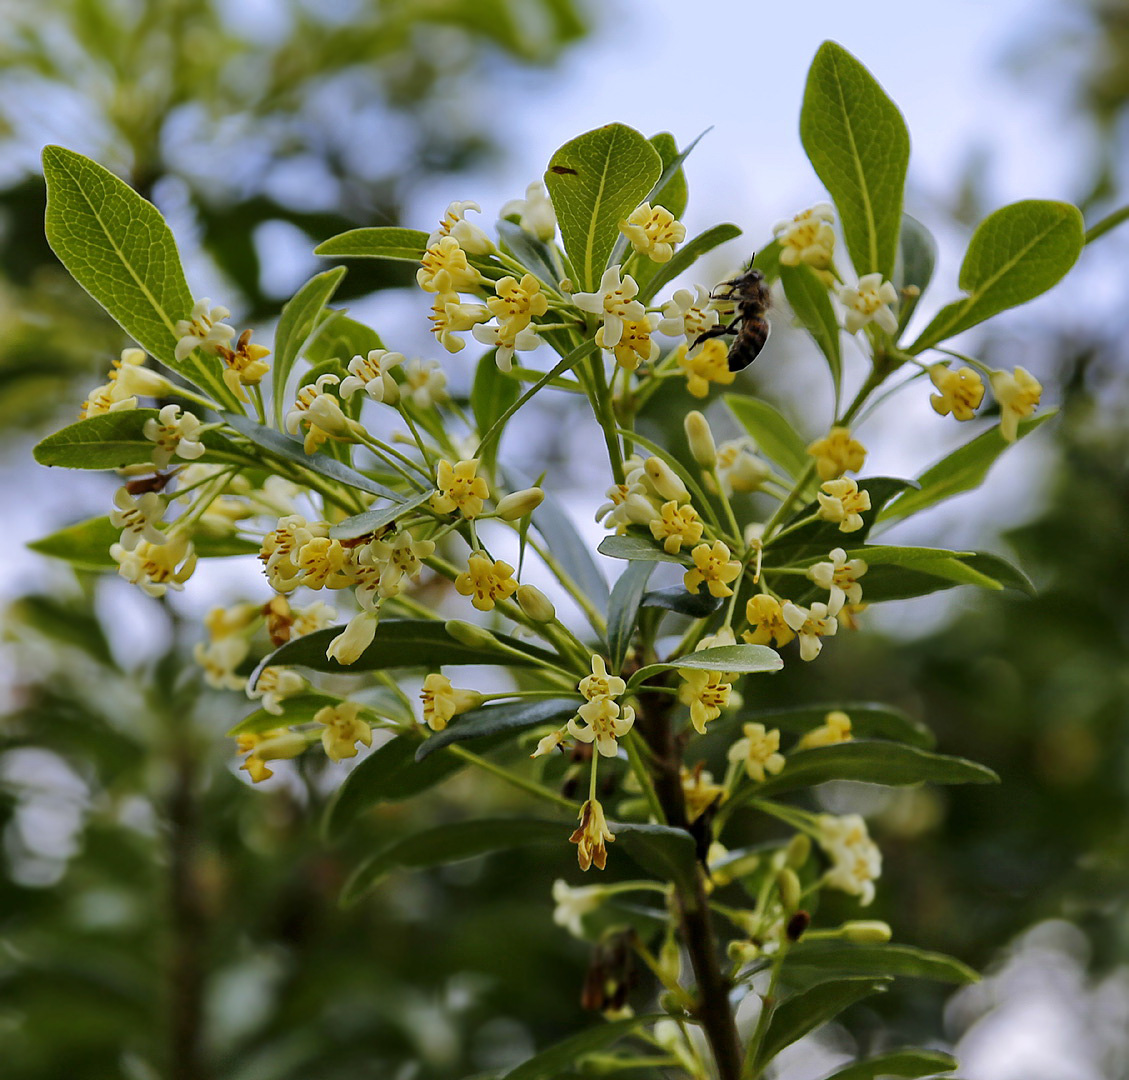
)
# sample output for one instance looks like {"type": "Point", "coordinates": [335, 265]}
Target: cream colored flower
{"type": "Point", "coordinates": [156, 568]}
{"type": "Point", "coordinates": [426, 383]}
{"type": "Point", "coordinates": [261, 747]}
{"type": "Point", "coordinates": [840, 577]}
{"type": "Point", "coordinates": [573, 904]}
{"type": "Point", "coordinates": [203, 329]}
{"type": "Point", "coordinates": [469, 236]}
{"type": "Point", "coordinates": [807, 238]}
{"type": "Point", "coordinates": [358, 635]}
{"type": "Point", "coordinates": [856, 860]}
{"type": "Point", "coordinates": [811, 624]}
{"type": "Point", "coordinates": [274, 685]}
{"type": "Point", "coordinates": [842, 501]}
{"type": "Point", "coordinates": [535, 212]}
{"type": "Point", "coordinates": [373, 375]}
{"type": "Point", "coordinates": [343, 730]}
{"type": "Point", "coordinates": [591, 836]}
{"type": "Point", "coordinates": [706, 692]}
{"type": "Point", "coordinates": [600, 684]}
{"type": "Point", "coordinates": [739, 467]}
{"type": "Point", "coordinates": [614, 301]}
{"type": "Point", "coordinates": [653, 232]}
{"type": "Point", "coordinates": [688, 314]}
{"type": "Point", "coordinates": [138, 518]}
{"type": "Point", "coordinates": [836, 728]}
{"type": "Point", "coordinates": [758, 752]}
{"type": "Point", "coordinates": [449, 318]}
{"type": "Point", "coordinates": [961, 391]}
{"type": "Point", "coordinates": [442, 701]}
{"type": "Point", "coordinates": [699, 792]}
{"type": "Point", "coordinates": [868, 302]}
{"type": "Point", "coordinates": [173, 434]}
{"type": "Point", "coordinates": [635, 346]}
{"type": "Point", "coordinates": [603, 723]}
{"type": "Point", "coordinates": [1018, 396]}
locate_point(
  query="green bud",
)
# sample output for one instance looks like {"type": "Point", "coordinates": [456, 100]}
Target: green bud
{"type": "Point", "coordinates": [790, 889]}
{"type": "Point", "coordinates": [797, 851]}
{"type": "Point", "coordinates": [535, 604]}
{"type": "Point", "coordinates": [665, 481]}
{"type": "Point", "coordinates": [520, 503]}
{"type": "Point", "coordinates": [474, 637]}
{"type": "Point", "coordinates": [700, 437]}
{"type": "Point", "coordinates": [867, 932]}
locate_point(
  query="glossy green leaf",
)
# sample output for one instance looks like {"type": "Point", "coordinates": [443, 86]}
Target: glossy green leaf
{"type": "Point", "coordinates": [118, 247]}
{"type": "Point", "coordinates": [532, 253]}
{"type": "Point", "coordinates": [402, 245]}
{"type": "Point", "coordinates": [962, 470]}
{"type": "Point", "coordinates": [666, 852]}
{"type": "Point", "coordinates": [299, 318]}
{"type": "Point", "coordinates": [671, 189]}
{"type": "Point", "coordinates": [844, 958]}
{"type": "Point", "coordinates": [917, 257]}
{"type": "Point", "coordinates": [371, 520]}
{"type": "Point", "coordinates": [114, 440]}
{"type": "Point", "coordinates": [86, 545]}
{"type": "Point", "coordinates": [767, 261]}
{"type": "Point", "coordinates": [288, 449]}
{"type": "Point", "coordinates": [566, 546]}
{"type": "Point", "coordinates": [858, 144]}
{"type": "Point", "coordinates": [697, 605]}
{"type": "Point", "coordinates": [1016, 254]}
{"type": "Point", "coordinates": [509, 719]}
{"type": "Point", "coordinates": [804, 1012]}
{"type": "Point", "coordinates": [636, 548]}
{"type": "Point", "coordinates": [299, 709]}
{"type": "Point", "coordinates": [623, 609]}
{"type": "Point", "coordinates": [595, 181]}
{"type": "Point", "coordinates": [410, 643]}
{"type": "Point", "coordinates": [449, 843]}
{"type": "Point", "coordinates": [685, 256]}
{"type": "Point", "coordinates": [339, 337]}
{"type": "Point", "coordinates": [811, 302]}
{"type": "Point", "coordinates": [873, 762]}
{"type": "Point", "coordinates": [736, 659]}
{"type": "Point", "coordinates": [911, 1063]}
{"type": "Point", "coordinates": [868, 721]}
{"type": "Point", "coordinates": [491, 394]}
{"type": "Point", "coordinates": [775, 437]}
{"type": "Point", "coordinates": [552, 1063]}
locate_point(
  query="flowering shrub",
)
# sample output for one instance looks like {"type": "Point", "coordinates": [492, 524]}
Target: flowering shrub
{"type": "Point", "coordinates": [348, 468]}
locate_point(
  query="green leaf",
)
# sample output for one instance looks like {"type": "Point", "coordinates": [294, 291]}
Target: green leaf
{"type": "Point", "coordinates": [666, 852]}
{"type": "Point", "coordinates": [86, 545]}
{"type": "Point", "coordinates": [697, 605]}
{"type": "Point", "coordinates": [911, 1063]}
{"type": "Point", "coordinates": [917, 256]}
{"type": "Point", "coordinates": [685, 257]}
{"type": "Point", "coordinates": [775, 437]}
{"type": "Point", "coordinates": [817, 538]}
{"type": "Point", "coordinates": [870, 761]}
{"type": "Point", "coordinates": [623, 609]}
{"type": "Point", "coordinates": [283, 446]}
{"type": "Point", "coordinates": [532, 253]}
{"type": "Point", "coordinates": [670, 189]}
{"type": "Point", "coordinates": [736, 659]}
{"type": "Point", "coordinates": [299, 709]}
{"type": "Point", "coordinates": [567, 546]}
{"type": "Point", "coordinates": [371, 520]}
{"type": "Point", "coordinates": [552, 1063]}
{"type": "Point", "coordinates": [402, 245]}
{"type": "Point", "coordinates": [844, 958]}
{"type": "Point", "coordinates": [595, 181]}
{"type": "Point", "coordinates": [341, 338]}
{"type": "Point", "coordinates": [805, 1012]}
{"type": "Point", "coordinates": [447, 844]}
{"type": "Point", "coordinates": [811, 302]}
{"type": "Point", "coordinates": [299, 317]}
{"type": "Point", "coordinates": [490, 396]}
{"type": "Point", "coordinates": [400, 643]}
{"type": "Point", "coordinates": [962, 470]}
{"type": "Point", "coordinates": [1016, 254]}
{"type": "Point", "coordinates": [496, 719]}
{"type": "Point", "coordinates": [857, 142]}
{"type": "Point", "coordinates": [119, 249]}
{"type": "Point", "coordinates": [114, 440]}
{"type": "Point", "coordinates": [868, 721]}
{"type": "Point", "coordinates": [637, 548]}
{"type": "Point", "coordinates": [767, 261]}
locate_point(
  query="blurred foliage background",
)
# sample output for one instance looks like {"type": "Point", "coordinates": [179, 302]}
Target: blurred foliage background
{"type": "Point", "coordinates": [159, 918]}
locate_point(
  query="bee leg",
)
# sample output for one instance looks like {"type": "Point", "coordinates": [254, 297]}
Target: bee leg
{"type": "Point", "coordinates": [717, 331]}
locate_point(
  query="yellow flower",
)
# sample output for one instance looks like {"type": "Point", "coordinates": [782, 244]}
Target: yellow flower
{"type": "Point", "coordinates": [591, 836]}
{"type": "Point", "coordinates": [360, 632]}
{"type": "Point", "coordinates": [848, 615]}
{"type": "Point", "coordinates": [445, 268]}
{"type": "Point", "coordinates": [766, 622]}
{"type": "Point", "coordinates": [1018, 395]}
{"type": "Point", "coordinates": [459, 488]}
{"type": "Point", "coordinates": [856, 860]}
{"type": "Point", "coordinates": [343, 730]}
{"type": "Point", "coordinates": [265, 746]}
{"type": "Point", "coordinates": [707, 363]}
{"type": "Point", "coordinates": [807, 238]}
{"type": "Point", "coordinates": [836, 728]}
{"type": "Point", "coordinates": [517, 302]}
{"type": "Point", "coordinates": [714, 567]}
{"type": "Point", "coordinates": [322, 563]}
{"type": "Point", "coordinates": [635, 345]}
{"type": "Point", "coordinates": [837, 453]}
{"type": "Point", "coordinates": [317, 407]}
{"type": "Point", "coordinates": [677, 526]}
{"type": "Point", "coordinates": [156, 568]}
{"type": "Point", "coordinates": [486, 581]}
{"type": "Point", "coordinates": [449, 318]}
{"type": "Point", "coordinates": [839, 576]}
{"type": "Point", "coordinates": [812, 624]}
{"type": "Point", "coordinates": [653, 232]}
{"type": "Point", "coordinates": [600, 684]}
{"type": "Point", "coordinates": [699, 791]}
{"type": "Point", "coordinates": [758, 751]}
{"type": "Point", "coordinates": [603, 724]}
{"type": "Point", "coordinates": [841, 501]}
{"type": "Point", "coordinates": [274, 685]}
{"type": "Point", "coordinates": [441, 701]}
{"type": "Point", "coordinates": [961, 391]}
{"type": "Point", "coordinates": [706, 692]}
{"type": "Point", "coordinates": [246, 364]}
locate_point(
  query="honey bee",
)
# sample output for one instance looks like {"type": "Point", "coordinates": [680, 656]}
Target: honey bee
{"type": "Point", "coordinates": [750, 294]}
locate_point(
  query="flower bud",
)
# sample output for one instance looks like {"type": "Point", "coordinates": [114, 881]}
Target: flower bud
{"type": "Point", "coordinates": [137, 381]}
{"type": "Point", "coordinates": [867, 932]}
{"type": "Point", "coordinates": [797, 851]}
{"type": "Point", "coordinates": [700, 438]}
{"type": "Point", "coordinates": [748, 473]}
{"type": "Point", "coordinates": [289, 745]}
{"type": "Point", "coordinates": [744, 952]}
{"type": "Point", "coordinates": [535, 604]}
{"type": "Point", "coordinates": [670, 962]}
{"type": "Point", "coordinates": [325, 412]}
{"type": "Point", "coordinates": [473, 637]}
{"type": "Point", "coordinates": [665, 481]}
{"type": "Point", "coordinates": [790, 889]}
{"type": "Point", "coordinates": [520, 503]}
{"type": "Point", "coordinates": [347, 647]}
